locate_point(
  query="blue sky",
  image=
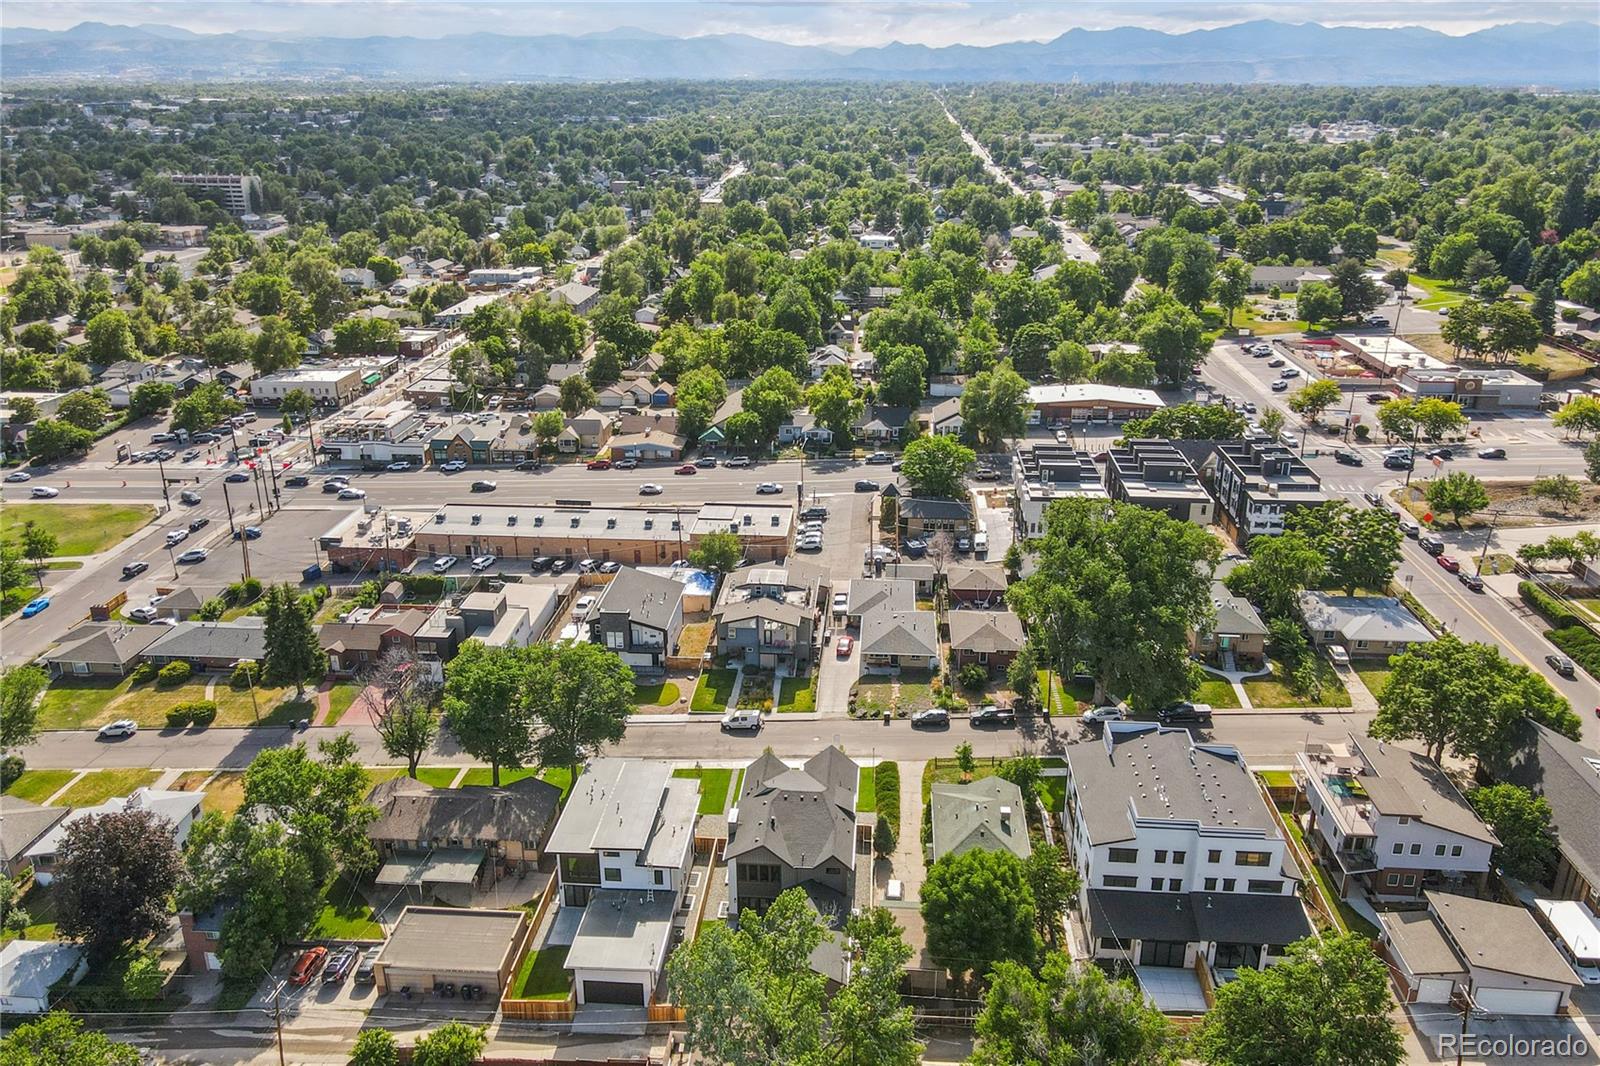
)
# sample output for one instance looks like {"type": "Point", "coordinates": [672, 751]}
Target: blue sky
{"type": "Point", "coordinates": [839, 23]}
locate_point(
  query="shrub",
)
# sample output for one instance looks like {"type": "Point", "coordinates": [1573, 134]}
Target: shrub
{"type": "Point", "coordinates": [973, 677]}
{"type": "Point", "coordinates": [212, 609]}
{"type": "Point", "coordinates": [884, 838]}
{"type": "Point", "coordinates": [423, 586]}
{"type": "Point", "coordinates": [203, 712]}
{"type": "Point", "coordinates": [179, 718]}
{"type": "Point", "coordinates": [174, 674]}
{"type": "Point", "coordinates": [886, 802]}
{"type": "Point", "coordinates": [368, 596]}
{"type": "Point", "coordinates": [244, 675]}
{"type": "Point", "coordinates": [11, 768]}
{"type": "Point", "coordinates": [1581, 646]}
{"type": "Point", "coordinates": [1363, 431]}
{"type": "Point", "coordinates": [1558, 614]}
{"type": "Point", "coordinates": [252, 589]}
{"type": "Point", "coordinates": [144, 672]}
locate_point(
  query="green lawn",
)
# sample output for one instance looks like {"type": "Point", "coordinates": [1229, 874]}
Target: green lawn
{"type": "Point", "coordinates": [79, 703]}
{"type": "Point", "coordinates": [444, 776]}
{"type": "Point", "coordinates": [1273, 692]}
{"type": "Point", "coordinates": [1218, 693]}
{"type": "Point", "coordinates": [344, 915]}
{"type": "Point", "coordinates": [713, 691]}
{"type": "Point", "coordinates": [1375, 677]}
{"type": "Point", "coordinates": [559, 776]}
{"type": "Point", "coordinates": [100, 785]}
{"type": "Point", "coordinates": [713, 787]}
{"type": "Point", "coordinates": [224, 792]}
{"type": "Point", "coordinates": [1438, 293]}
{"type": "Point", "coordinates": [1053, 793]}
{"type": "Point", "coordinates": [1348, 917]}
{"type": "Point", "coordinates": [543, 975]}
{"type": "Point", "coordinates": [79, 528]}
{"type": "Point", "coordinates": [40, 903]}
{"type": "Point", "coordinates": [797, 695]}
{"type": "Point", "coordinates": [1276, 778]}
{"type": "Point", "coordinates": [660, 694]}
{"type": "Point", "coordinates": [866, 789]}
{"type": "Point", "coordinates": [340, 697]}
{"type": "Point", "coordinates": [36, 786]}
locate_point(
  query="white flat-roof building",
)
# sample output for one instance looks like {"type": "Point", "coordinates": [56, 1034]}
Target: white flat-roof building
{"type": "Point", "coordinates": [1483, 391]}
{"type": "Point", "coordinates": [1089, 402]}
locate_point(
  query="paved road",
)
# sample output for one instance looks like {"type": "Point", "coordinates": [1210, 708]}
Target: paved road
{"type": "Point", "coordinates": [1269, 738]}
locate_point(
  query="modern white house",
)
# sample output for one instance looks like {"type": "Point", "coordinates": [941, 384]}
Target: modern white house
{"type": "Point", "coordinates": [623, 846]}
{"type": "Point", "coordinates": [1387, 821]}
{"type": "Point", "coordinates": [1181, 860]}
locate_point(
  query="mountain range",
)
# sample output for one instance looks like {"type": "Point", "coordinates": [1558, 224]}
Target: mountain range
{"type": "Point", "coordinates": [1262, 52]}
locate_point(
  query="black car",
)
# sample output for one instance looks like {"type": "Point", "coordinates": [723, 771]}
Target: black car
{"type": "Point", "coordinates": [866, 486]}
{"type": "Point", "coordinates": [1396, 462]}
{"type": "Point", "coordinates": [990, 715]}
{"type": "Point", "coordinates": [560, 566]}
{"type": "Point", "coordinates": [366, 970]}
{"type": "Point", "coordinates": [296, 481]}
{"type": "Point", "coordinates": [528, 464]}
{"type": "Point", "coordinates": [1472, 581]}
{"type": "Point", "coordinates": [541, 563]}
{"type": "Point", "coordinates": [1347, 457]}
{"type": "Point", "coordinates": [1561, 665]}
{"type": "Point", "coordinates": [815, 512]}
{"type": "Point", "coordinates": [1185, 713]}
{"type": "Point", "coordinates": [1441, 453]}
{"type": "Point", "coordinates": [199, 523]}
{"type": "Point", "coordinates": [135, 569]}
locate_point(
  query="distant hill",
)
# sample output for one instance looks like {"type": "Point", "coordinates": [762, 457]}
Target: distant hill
{"type": "Point", "coordinates": [1515, 55]}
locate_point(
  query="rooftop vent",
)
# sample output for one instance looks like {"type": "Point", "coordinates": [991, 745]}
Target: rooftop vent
{"type": "Point", "coordinates": [611, 523]}
{"type": "Point", "coordinates": [511, 519]}
{"type": "Point", "coordinates": [477, 518]}
{"type": "Point", "coordinates": [574, 522]}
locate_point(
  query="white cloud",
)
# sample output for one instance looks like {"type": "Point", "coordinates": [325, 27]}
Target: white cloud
{"type": "Point", "coordinates": [837, 23]}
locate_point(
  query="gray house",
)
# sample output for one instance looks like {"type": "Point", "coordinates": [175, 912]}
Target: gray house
{"type": "Point", "coordinates": [639, 616]}
{"type": "Point", "coordinates": [211, 645]}
{"type": "Point", "coordinates": [795, 827]}
{"type": "Point", "coordinates": [987, 814]}
{"type": "Point", "coordinates": [101, 649]}
{"type": "Point", "coordinates": [767, 616]}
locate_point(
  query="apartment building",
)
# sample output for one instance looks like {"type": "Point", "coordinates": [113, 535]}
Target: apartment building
{"type": "Point", "coordinates": [1045, 473]}
{"type": "Point", "coordinates": [1155, 475]}
{"type": "Point", "coordinates": [1256, 484]}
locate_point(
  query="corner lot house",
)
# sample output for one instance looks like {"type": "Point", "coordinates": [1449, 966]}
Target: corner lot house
{"type": "Point", "coordinates": [1494, 953]}
{"type": "Point", "coordinates": [1365, 625]}
{"type": "Point", "coordinates": [459, 945]}
{"type": "Point", "coordinates": [794, 827]}
{"type": "Point", "coordinates": [623, 847]}
{"type": "Point", "coordinates": [101, 649]}
{"type": "Point", "coordinates": [987, 814]}
{"type": "Point", "coordinates": [1388, 821]}
{"type": "Point", "coordinates": [1181, 860]}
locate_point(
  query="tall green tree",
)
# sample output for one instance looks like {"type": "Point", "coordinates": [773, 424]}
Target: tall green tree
{"type": "Point", "coordinates": [1523, 823]}
{"type": "Point", "coordinates": [38, 544]}
{"type": "Point", "coordinates": [1187, 421]}
{"type": "Point", "coordinates": [452, 1044]}
{"type": "Point", "coordinates": [265, 872]}
{"type": "Point", "coordinates": [868, 1023]}
{"type": "Point", "coordinates": [979, 910]}
{"type": "Point", "coordinates": [294, 653]}
{"type": "Point", "coordinates": [835, 402]}
{"type": "Point", "coordinates": [1328, 1002]}
{"type": "Point", "coordinates": [1361, 546]}
{"type": "Point", "coordinates": [1315, 398]}
{"type": "Point", "coordinates": [936, 466]}
{"type": "Point", "coordinates": [1068, 1013]}
{"type": "Point", "coordinates": [1279, 569]}
{"type": "Point", "coordinates": [20, 687]}
{"type": "Point", "coordinates": [1173, 339]}
{"type": "Point", "coordinates": [1458, 493]}
{"type": "Point", "coordinates": [994, 406]}
{"type": "Point", "coordinates": [375, 1047]}
{"type": "Point", "coordinates": [718, 552]}
{"type": "Point", "coordinates": [408, 727]}
{"type": "Point", "coordinates": [581, 696]}
{"type": "Point", "coordinates": [59, 1039]}
{"type": "Point", "coordinates": [322, 800]}
{"type": "Point", "coordinates": [1231, 287]}
{"type": "Point", "coordinates": [1117, 589]}
{"type": "Point", "coordinates": [483, 705]}
{"type": "Point", "coordinates": [113, 876]}
{"type": "Point", "coordinates": [1054, 883]}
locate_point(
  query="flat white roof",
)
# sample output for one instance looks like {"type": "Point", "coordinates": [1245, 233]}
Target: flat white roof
{"type": "Point", "coordinates": [1575, 927]}
{"type": "Point", "coordinates": [1088, 394]}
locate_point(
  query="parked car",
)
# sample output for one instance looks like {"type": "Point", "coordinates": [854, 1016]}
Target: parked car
{"type": "Point", "coordinates": [880, 457]}
{"type": "Point", "coordinates": [340, 963]}
{"type": "Point", "coordinates": [1491, 453]}
{"type": "Point", "coordinates": [1448, 562]}
{"type": "Point", "coordinates": [348, 493]}
{"type": "Point", "coordinates": [581, 608]}
{"type": "Point", "coordinates": [844, 646]}
{"type": "Point", "coordinates": [1431, 543]}
{"type": "Point", "coordinates": [399, 466]}
{"type": "Point", "coordinates": [1471, 580]}
{"type": "Point", "coordinates": [194, 555]}
{"type": "Point", "coordinates": [769, 488]}
{"type": "Point", "coordinates": [963, 544]}
{"type": "Point", "coordinates": [307, 965]}
{"type": "Point", "coordinates": [815, 511]}
{"type": "Point", "coordinates": [1561, 665]}
{"type": "Point", "coordinates": [482, 563]}
{"type": "Point", "coordinates": [453, 466]}
{"type": "Point", "coordinates": [625, 464]}
{"type": "Point", "coordinates": [238, 477]}
{"type": "Point", "coordinates": [986, 473]}
{"type": "Point", "coordinates": [1337, 655]}
{"type": "Point", "coordinates": [610, 566]}
{"type": "Point", "coordinates": [142, 614]}
{"type": "Point", "coordinates": [930, 718]}
{"type": "Point", "coordinates": [1277, 361]}
{"type": "Point", "coordinates": [18, 476]}
{"type": "Point", "coordinates": [649, 488]}
{"type": "Point", "coordinates": [540, 563]}
{"type": "Point", "coordinates": [44, 492]}
{"type": "Point", "coordinates": [865, 485]}
{"type": "Point", "coordinates": [914, 547]}
{"type": "Point", "coordinates": [1289, 372]}
{"type": "Point", "coordinates": [1185, 712]}
{"type": "Point", "coordinates": [527, 464]}
{"type": "Point", "coordinates": [737, 460]}
{"type": "Point", "coordinates": [561, 566]}
{"type": "Point", "coordinates": [991, 715]}
{"type": "Point", "coordinates": [686, 468]}
{"type": "Point", "coordinates": [1280, 386]}
{"type": "Point", "coordinates": [484, 486]}
{"type": "Point", "coordinates": [750, 720]}
{"type": "Point", "coordinates": [443, 563]}
{"type": "Point", "coordinates": [35, 605]}
{"type": "Point", "coordinates": [588, 566]}
{"type": "Point", "coordinates": [841, 600]}
{"type": "Point", "coordinates": [122, 727]}
{"type": "Point", "coordinates": [366, 969]}
{"type": "Point", "coordinates": [1410, 528]}
{"type": "Point", "coordinates": [135, 569]}
{"type": "Point", "coordinates": [808, 542]}
{"type": "Point", "coordinates": [1115, 713]}
{"type": "Point", "coordinates": [706, 462]}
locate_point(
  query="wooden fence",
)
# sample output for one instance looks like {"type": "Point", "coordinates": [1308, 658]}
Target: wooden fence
{"type": "Point", "coordinates": [537, 1010]}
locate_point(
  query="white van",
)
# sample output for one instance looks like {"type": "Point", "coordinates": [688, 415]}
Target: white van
{"type": "Point", "coordinates": [750, 720]}
{"type": "Point", "coordinates": [980, 541]}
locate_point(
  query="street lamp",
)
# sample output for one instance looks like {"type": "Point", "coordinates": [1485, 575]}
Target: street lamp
{"type": "Point", "coordinates": [250, 676]}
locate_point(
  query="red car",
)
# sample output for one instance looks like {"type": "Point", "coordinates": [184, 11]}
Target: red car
{"type": "Point", "coordinates": [844, 646]}
{"type": "Point", "coordinates": [598, 464]}
{"type": "Point", "coordinates": [307, 965]}
{"type": "Point", "coordinates": [686, 468]}
{"type": "Point", "coordinates": [1449, 564]}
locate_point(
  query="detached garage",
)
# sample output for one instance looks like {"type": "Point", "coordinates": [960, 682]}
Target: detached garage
{"type": "Point", "coordinates": [1496, 953]}
{"type": "Point", "coordinates": [620, 946]}
{"type": "Point", "coordinates": [458, 946]}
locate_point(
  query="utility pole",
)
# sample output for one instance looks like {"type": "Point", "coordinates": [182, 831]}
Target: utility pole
{"type": "Point", "coordinates": [1484, 555]}
{"type": "Point", "coordinates": [255, 481]}
{"type": "Point", "coordinates": [162, 468]}
{"type": "Point", "coordinates": [229, 505]}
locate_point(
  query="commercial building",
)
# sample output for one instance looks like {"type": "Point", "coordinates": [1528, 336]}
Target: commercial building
{"type": "Point", "coordinates": [1257, 484]}
{"type": "Point", "coordinates": [1090, 403]}
{"type": "Point", "coordinates": [1487, 391]}
{"type": "Point", "coordinates": [377, 434]}
{"type": "Point", "coordinates": [1389, 822]}
{"type": "Point", "coordinates": [1157, 476]}
{"type": "Point", "coordinates": [238, 194]}
{"type": "Point", "coordinates": [641, 536]}
{"type": "Point", "coordinates": [1045, 473]}
{"type": "Point", "coordinates": [500, 277]}
{"type": "Point", "coordinates": [1182, 862]}
{"type": "Point", "coordinates": [328, 386]}
{"type": "Point", "coordinates": [430, 946]}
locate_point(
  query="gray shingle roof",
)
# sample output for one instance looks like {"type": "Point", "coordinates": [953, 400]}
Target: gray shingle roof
{"type": "Point", "coordinates": [22, 823]}
{"type": "Point", "coordinates": [985, 631]}
{"type": "Point", "coordinates": [1404, 783]}
{"type": "Point", "coordinates": [924, 508]}
{"type": "Point", "coordinates": [645, 598]}
{"type": "Point", "coordinates": [1495, 936]}
{"type": "Point", "coordinates": [803, 816]}
{"type": "Point", "coordinates": [1567, 775]}
{"type": "Point", "coordinates": [1227, 917]}
{"type": "Point", "coordinates": [869, 593]}
{"type": "Point", "coordinates": [105, 642]}
{"type": "Point", "coordinates": [1420, 943]}
{"type": "Point", "coordinates": [969, 816]}
{"type": "Point", "coordinates": [410, 811]}
{"type": "Point", "coordinates": [886, 632]}
{"type": "Point", "coordinates": [242, 638]}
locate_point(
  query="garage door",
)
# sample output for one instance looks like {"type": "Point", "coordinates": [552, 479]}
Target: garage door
{"type": "Point", "coordinates": [1434, 990]}
{"type": "Point", "coordinates": [1517, 1000]}
{"type": "Point", "coordinates": [613, 992]}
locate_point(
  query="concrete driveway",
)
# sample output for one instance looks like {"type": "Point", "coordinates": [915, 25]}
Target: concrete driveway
{"type": "Point", "coordinates": [1434, 1035]}
{"type": "Point", "coordinates": [837, 674]}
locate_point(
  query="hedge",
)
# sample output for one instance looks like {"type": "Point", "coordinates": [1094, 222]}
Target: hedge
{"type": "Point", "coordinates": [196, 712]}
{"type": "Point", "coordinates": [244, 675]}
{"type": "Point", "coordinates": [1581, 646]}
{"type": "Point", "coordinates": [1558, 614]}
{"type": "Point", "coordinates": [173, 674]}
{"type": "Point", "coordinates": [144, 672]}
{"type": "Point", "coordinates": [423, 586]}
{"type": "Point", "coordinates": [886, 802]}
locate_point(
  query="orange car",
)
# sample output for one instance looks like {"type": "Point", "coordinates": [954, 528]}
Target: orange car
{"type": "Point", "coordinates": [307, 965]}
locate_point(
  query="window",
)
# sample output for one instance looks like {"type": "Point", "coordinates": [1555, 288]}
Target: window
{"type": "Point", "coordinates": [1213, 856]}
{"type": "Point", "coordinates": [661, 876]}
{"type": "Point", "coordinates": [1211, 884]}
{"type": "Point", "coordinates": [1155, 884]}
{"type": "Point", "coordinates": [1178, 857]}
{"type": "Point", "coordinates": [611, 873]}
{"type": "Point", "coordinates": [1265, 888]}
{"type": "Point", "coordinates": [1174, 884]}
{"type": "Point", "coordinates": [1410, 880]}
{"type": "Point", "coordinates": [1228, 883]}
{"type": "Point", "coordinates": [615, 638]}
{"type": "Point", "coordinates": [1122, 855]}
{"type": "Point", "coordinates": [1416, 849]}
{"type": "Point", "coordinates": [1455, 851]}
{"type": "Point", "coordinates": [1398, 848]}
{"type": "Point", "coordinates": [1114, 943]}
{"type": "Point", "coordinates": [1438, 849]}
{"type": "Point", "coordinates": [1161, 855]}
{"type": "Point", "coordinates": [1405, 821]}
{"type": "Point", "coordinates": [1394, 879]}
{"type": "Point", "coordinates": [1252, 858]}
{"type": "Point", "coordinates": [1119, 881]}
{"type": "Point", "coordinates": [833, 870]}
